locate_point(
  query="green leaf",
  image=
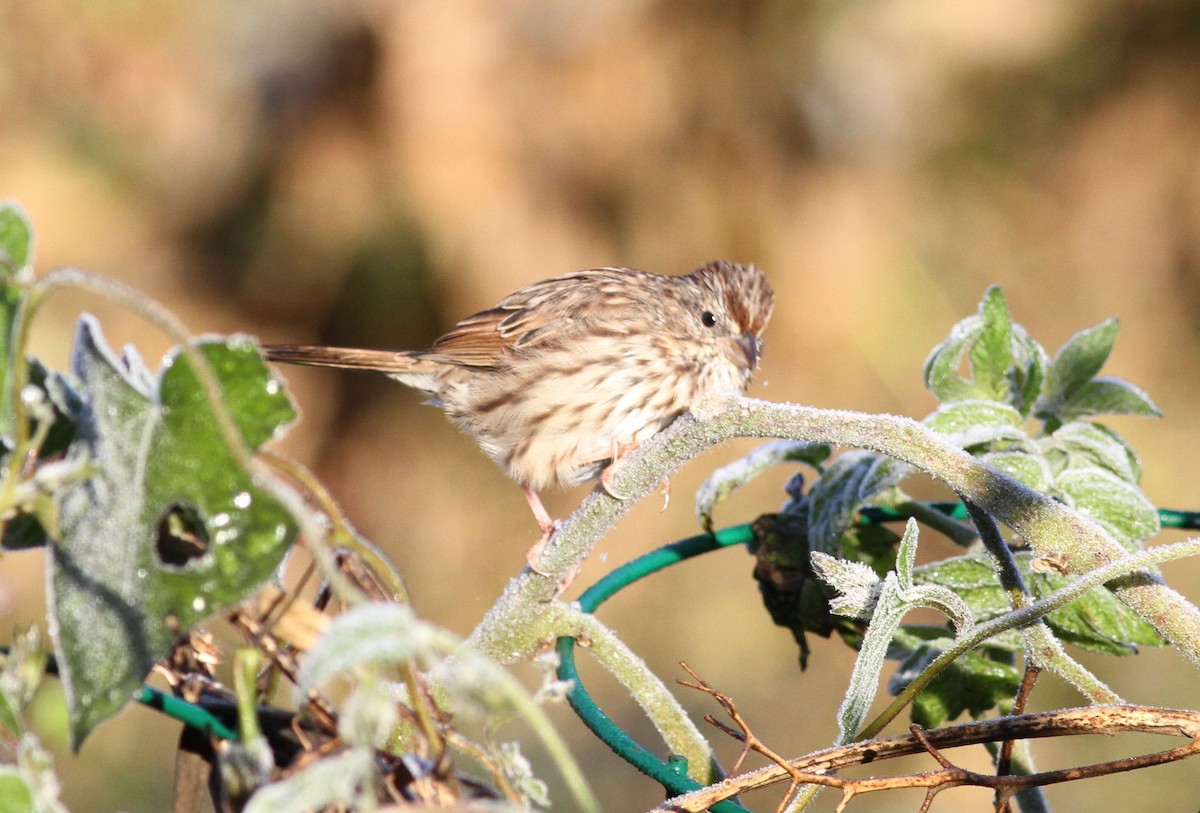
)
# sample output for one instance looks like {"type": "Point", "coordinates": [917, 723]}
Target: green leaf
{"type": "Point", "coordinates": [991, 355]}
{"type": "Point", "coordinates": [1080, 359]}
{"type": "Point", "coordinates": [1006, 365]}
{"type": "Point", "coordinates": [1080, 444]}
{"type": "Point", "coordinates": [846, 486]}
{"type": "Point", "coordinates": [16, 247]}
{"type": "Point", "coordinates": [1029, 469]}
{"type": "Point", "coordinates": [59, 406]}
{"type": "Point", "coordinates": [336, 780]}
{"type": "Point", "coordinates": [1026, 376]}
{"type": "Point", "coordinates": [1113, 502]}
{"type": "Point", "coordinates": [170, 529]}
{"type": "Point", "coordinates": [973, 577]}
{"type": "Point", "coordinates": [22, 669]}
{"type": "Point", "coordinates": [16, 796]}
{"type": "Point", "coordinates": [1107, 396]}
{"type": "Point", "coordinates": [16, 238]}
{"type": "Point", "coordinates": [1097, 621]}
{"type": "Point", "coordinates": [942, 367]}
{"type": "Point", "coordinates": [974, 683]}
{"type": "Point", "coordinates": [975, 423]}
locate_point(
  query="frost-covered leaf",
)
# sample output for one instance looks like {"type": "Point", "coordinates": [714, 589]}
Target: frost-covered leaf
{"type": "Point", "coordinates": [857, 585]}
{"type": "Point", "coordinates": [22, 669]}
{"type": "Point", "coordinates": [1005, 364]}
{"type": "Point", "coordinates": [170, 528]}
{"type": "Point", "coordinates": [976, 423]}
{"type": "Point", "coordinates": [51, 407]}
{"type": "Point", "coordinates": [374, 634]}
{"type": "Point", "coordinates": [1116, 504]}
{"type": "Point", "coordinates": [1080, 444]}
{"type": "Point", "coordinates": [336, 780]}
{"type": "Point", "coordinates": [16, 251]}
{"type": "Point", "coordinates": [1107, 396]}
{"type": "Point", "coordinates": [1080, 359]}
{"type": "Point", "coordinates": [847, 485]}
{"type": "Point", "coordinates": [1029, 469]}
{"type": "Point", "coordinates": [942, 376]}
{"type": "Point", "coordinates": [1097, 621]}
{"type": "Point", "coordinates": [725, 480]}
{"type": "Point", "coordinates": [974, 683]}
{"type": "Point", "coordinates": [991, 354]}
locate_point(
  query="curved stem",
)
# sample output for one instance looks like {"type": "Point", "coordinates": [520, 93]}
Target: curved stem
{"type": "Point", "coordinates": [1027, 615]}
{"type": "Point", "coordinates": [1052, 528]}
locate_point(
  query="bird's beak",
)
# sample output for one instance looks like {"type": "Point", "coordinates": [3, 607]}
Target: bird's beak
{"type": "Point", "coordinates": [751, 348]}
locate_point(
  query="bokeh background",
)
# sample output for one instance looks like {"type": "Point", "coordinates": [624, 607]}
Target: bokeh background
{"type": "Point", "coordinates": [366, 173]}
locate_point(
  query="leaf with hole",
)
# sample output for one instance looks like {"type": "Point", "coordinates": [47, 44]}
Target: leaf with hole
{"type": "Point", "coordinates": [170, 528]}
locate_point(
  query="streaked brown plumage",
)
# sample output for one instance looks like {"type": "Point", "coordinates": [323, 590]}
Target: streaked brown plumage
{"type": "Point", "coordinates": [564, 376]}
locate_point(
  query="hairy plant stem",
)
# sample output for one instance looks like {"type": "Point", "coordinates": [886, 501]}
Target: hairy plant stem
{"type": "Point", "coordinates": [527, 616]}
{"type": "Point", "coordinates": [1052, 529]}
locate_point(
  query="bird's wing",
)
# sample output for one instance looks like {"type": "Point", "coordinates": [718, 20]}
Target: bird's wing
{"type": "Point", "coordinates": [545, 311]}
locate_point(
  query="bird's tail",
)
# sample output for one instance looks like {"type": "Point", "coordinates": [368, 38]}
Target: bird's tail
{"type": "Point", "coordinates": [384, 361]}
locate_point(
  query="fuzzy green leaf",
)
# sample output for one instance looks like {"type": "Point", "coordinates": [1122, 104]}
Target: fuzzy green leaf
{"type": "Point", "coordinates": [16, 249]}
{"type": "Point", "coordinates": [727, 479]}
{"type": "Point", "coordinates": [376, 634]}
{"type": "Point", "coordinates": [16, 238]}
{"type": "Point", "coordinates": [1107, 396]}
{"type": "Point", "coordinates": [1006, 365]}
{"type": "Point", "coordinates": [1080, 444]}
{"type": "Point", "coordinates": [1097, 621]}
{"type": "Point", "coordinates": [336, 781]}
{"type": "Point", "coordinates": [845, 487]}
{"type": "Point", "coordinates": [974, 683]}
{"type": "Point", "coordinates": [975, 423]}
{"type": "Point", "coordinates": [170, 529]}
{"type": "Point", "coordinates": [991, 355]}
{"type": "Point", "coordinates": [942, 367]}
{"type": "Point", "coordinates": [1030, 469]}
{"type": "Point", "coordinates": [1113, 502]}
{"type": "Point", "coordinates": [1080, 359]}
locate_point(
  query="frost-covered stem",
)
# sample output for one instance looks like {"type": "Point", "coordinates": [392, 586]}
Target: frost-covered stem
{"type": "Point", "coordinates": [663, 710]}
{"type": "Point", "coordinates": [527, 616]}
{"type": "Point", "coordinates": [1028, 615]}
{"type": "Point", "coordinates": [515, 622]}
{"type": "Point", "coordinates": [1050, 527]}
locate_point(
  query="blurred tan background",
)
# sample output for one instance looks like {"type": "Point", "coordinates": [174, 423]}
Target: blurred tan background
{"type": "Point", "coordinates": [367, 173]}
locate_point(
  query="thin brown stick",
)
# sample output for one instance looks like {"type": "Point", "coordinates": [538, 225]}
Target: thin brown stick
{"type": "Point", "coordinates": [818, 767]}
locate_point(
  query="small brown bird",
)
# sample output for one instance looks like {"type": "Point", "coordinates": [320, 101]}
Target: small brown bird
{"type": "Point", "coordinates": [564, 377]}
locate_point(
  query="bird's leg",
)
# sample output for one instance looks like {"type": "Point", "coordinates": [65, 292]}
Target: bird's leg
{"type": "Point", "coordinates": [544, 522]}
{"type": "Point", "coordinates": [620, 451]}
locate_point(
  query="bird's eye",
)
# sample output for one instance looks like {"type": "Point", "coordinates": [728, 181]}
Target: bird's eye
{"type": "Point", "coordinates": [708, 318]}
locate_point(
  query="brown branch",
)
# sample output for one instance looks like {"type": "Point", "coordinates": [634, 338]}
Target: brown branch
{"type": "Point", "coordinates": [819, 767]}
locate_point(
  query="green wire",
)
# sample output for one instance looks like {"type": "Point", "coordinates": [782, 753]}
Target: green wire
{"type": "Point", "coordinates": [187, 713]}
{"type": "Point", "coordinates": [672, 775]}
{"type": "Point", "coordinates": [874, 515]}
{"type": "Point", "coordinates": [1184, 520]}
